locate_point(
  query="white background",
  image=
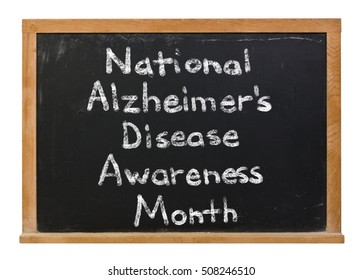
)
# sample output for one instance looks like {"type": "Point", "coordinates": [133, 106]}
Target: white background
{"type": "Point", "coordinates": [84, 261]}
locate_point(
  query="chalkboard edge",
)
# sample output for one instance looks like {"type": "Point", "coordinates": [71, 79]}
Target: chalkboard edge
{"type": "Point", "coordinates": [29, 133]}
{"type": "Point", "coordinates": [197, 237]}
{"type": "Point", "coordinates": [333, 132]}
{"type": "Point", "coordinates": [181, 25]}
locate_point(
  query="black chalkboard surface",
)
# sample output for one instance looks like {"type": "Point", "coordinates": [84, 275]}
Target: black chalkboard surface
{"type": "Point", "coordinates": [231, 127]}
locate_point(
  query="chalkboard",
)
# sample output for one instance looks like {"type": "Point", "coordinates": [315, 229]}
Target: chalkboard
{"type": "Point", "coordinates": [181, 132]}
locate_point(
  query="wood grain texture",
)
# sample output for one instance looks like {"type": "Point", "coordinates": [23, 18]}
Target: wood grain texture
{"type": "Point", "coordinates": [182, 238]}
{"type": "Point", "coordinates": [334, 132]}
{"type": "Point", "coordinates": [181, 25]}
{"type": "Point", "coordinates": [29, 132]}
{"type": "Point", "coordinates": [330, 26]}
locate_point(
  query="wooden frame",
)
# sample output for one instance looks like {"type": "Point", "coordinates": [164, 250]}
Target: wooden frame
{"type": "Point", "coordinates": [332, 27]}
